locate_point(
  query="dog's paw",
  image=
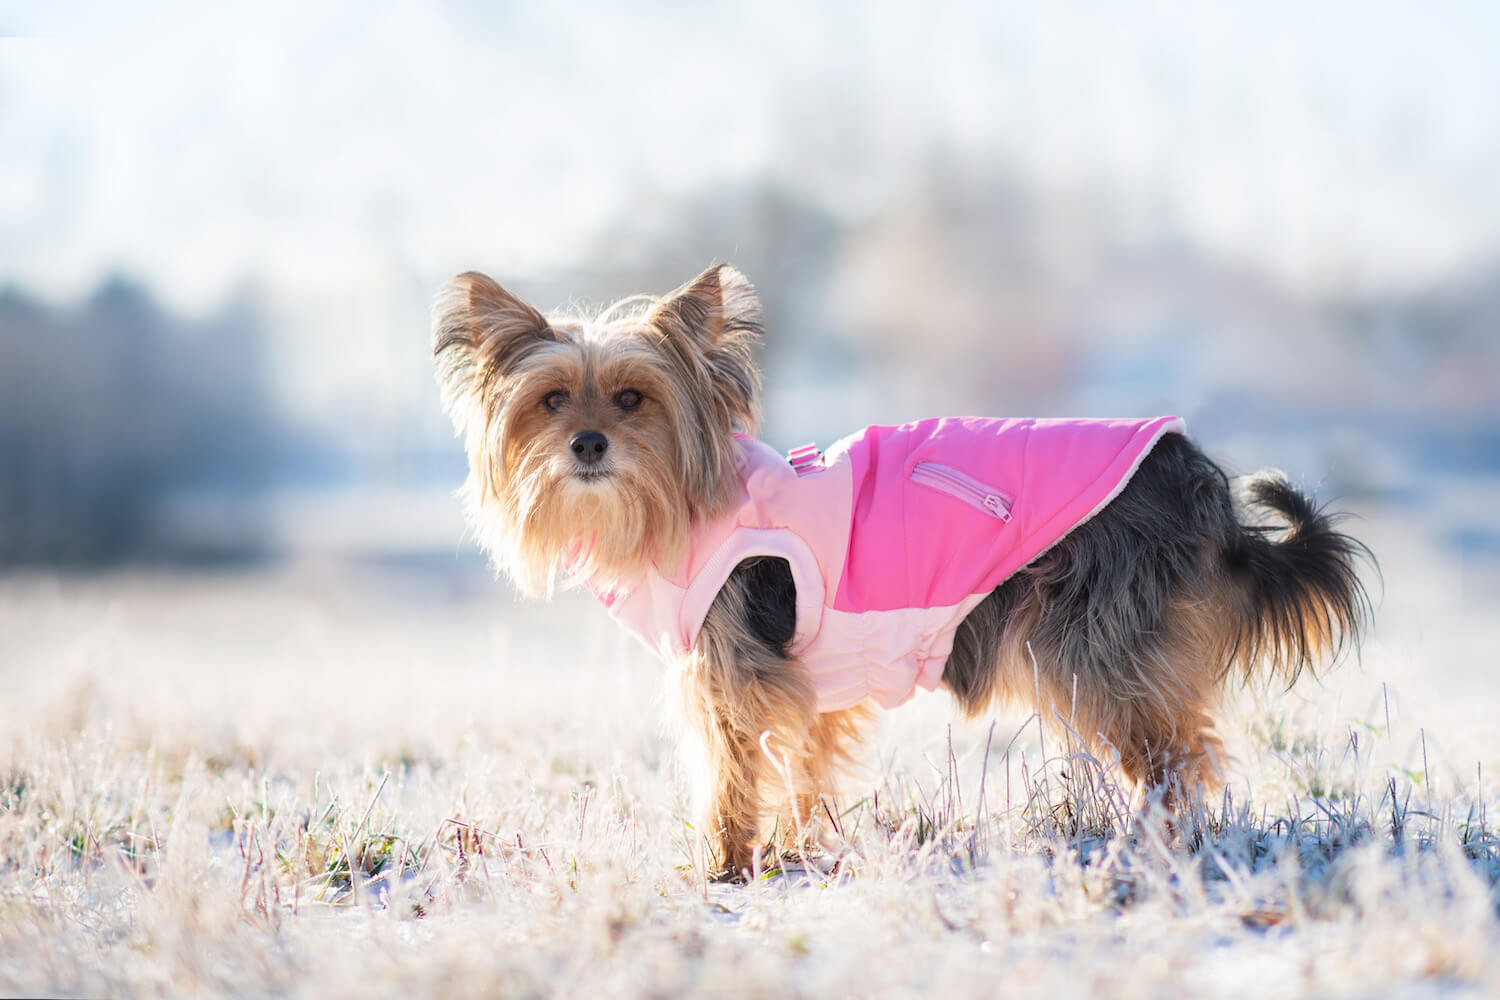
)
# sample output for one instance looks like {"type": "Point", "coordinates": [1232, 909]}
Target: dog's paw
{"type": "Point", "coordinates": [738, 865]}
{"type": "Point", "coordinates": [730, 876]}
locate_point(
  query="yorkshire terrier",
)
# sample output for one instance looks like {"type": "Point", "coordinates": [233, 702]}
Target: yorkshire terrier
{"type": "Point", "coordinates": [1106, 567]}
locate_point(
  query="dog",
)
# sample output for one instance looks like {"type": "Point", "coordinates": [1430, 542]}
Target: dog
{"type": "Point", "coordinates": [1107, 567]}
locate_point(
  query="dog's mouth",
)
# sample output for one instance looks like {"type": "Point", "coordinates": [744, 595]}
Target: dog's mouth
{"type": "Point", "coordinates": [591, 474]}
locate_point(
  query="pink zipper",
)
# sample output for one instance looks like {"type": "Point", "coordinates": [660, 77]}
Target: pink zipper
{"type": "Point", "coordinates": [971, 491]}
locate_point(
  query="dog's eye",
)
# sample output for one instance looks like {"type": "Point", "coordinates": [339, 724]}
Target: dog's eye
{"type": "Point", "coordinates": [628, 399]}
{"type": "Point", "coordinates": [554, 399]}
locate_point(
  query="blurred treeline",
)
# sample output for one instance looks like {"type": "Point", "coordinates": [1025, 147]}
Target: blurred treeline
{"type": "Point", "coordinates": [112, 411]}
{"type": "Point", "coordinates": [128, 432]}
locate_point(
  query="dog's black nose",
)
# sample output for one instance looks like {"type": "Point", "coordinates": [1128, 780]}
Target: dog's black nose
{"type": "Point", "coordinates": [589, 446]}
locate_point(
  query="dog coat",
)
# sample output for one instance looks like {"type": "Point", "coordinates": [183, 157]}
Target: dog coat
{"type": "Point", "coordinates": [893, 536]}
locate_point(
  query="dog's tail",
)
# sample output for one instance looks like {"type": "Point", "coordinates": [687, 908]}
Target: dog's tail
{"type": "Point", "coordinates": [1298, 579]}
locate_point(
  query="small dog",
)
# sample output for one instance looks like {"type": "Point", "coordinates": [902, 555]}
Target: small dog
{"type": "Point", "coordinates": [1106, 566]}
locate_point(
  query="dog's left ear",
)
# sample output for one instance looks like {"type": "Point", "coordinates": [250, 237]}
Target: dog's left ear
{"type": "Point", "coordinates": [713, 324]}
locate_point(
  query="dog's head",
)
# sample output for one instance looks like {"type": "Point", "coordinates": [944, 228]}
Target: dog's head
{"type": "Point", "coordinates": [594, 443]}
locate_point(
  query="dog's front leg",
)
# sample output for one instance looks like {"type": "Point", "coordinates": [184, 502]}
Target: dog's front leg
{"type": "Point", "coordinates": [732, 783]}
{"type": "Point", "coordinates": [743, 697]}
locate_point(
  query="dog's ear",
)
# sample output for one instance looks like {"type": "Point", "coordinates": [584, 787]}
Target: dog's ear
{"type": "Point", "coordinates": [713, 324]}
{"type": "Point", "coordinates": [479, 332]}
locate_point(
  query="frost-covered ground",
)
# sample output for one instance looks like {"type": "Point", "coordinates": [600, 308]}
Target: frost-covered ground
{"type": "Point", "coordinates": [385, 777]}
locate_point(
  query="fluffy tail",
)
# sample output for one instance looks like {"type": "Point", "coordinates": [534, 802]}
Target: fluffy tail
{"type": "Point", "coordinates": [1299, 580]}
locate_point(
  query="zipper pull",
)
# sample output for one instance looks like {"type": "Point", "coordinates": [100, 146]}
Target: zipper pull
{"type": "Point", "coordinates": [995, 505]}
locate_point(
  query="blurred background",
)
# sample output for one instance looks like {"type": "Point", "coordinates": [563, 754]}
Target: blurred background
{"type": "Point", "coordinates": [220, 232]}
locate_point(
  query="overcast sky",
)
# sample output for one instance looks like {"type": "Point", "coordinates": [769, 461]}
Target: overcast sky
{"type": "Point", "coordinates": [308, 143]}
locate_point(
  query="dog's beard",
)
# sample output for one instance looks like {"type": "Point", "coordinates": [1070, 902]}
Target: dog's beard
{"type": "Point", "coordinates": [553, 518]}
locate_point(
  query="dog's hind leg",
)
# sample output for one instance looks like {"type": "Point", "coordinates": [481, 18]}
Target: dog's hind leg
{"type": "Point", "coordinates": [1152, 701]}
{"type": "Point", "coordinates": [1150, 691]}
{"type": "Point", "coordinates": [1125, 628]}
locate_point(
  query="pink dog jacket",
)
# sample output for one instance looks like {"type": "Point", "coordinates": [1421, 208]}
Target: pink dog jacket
{"type": "Point", "coordinates": [893, 536]}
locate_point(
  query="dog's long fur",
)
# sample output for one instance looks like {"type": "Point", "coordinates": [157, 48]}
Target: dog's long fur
{"type": "Point", "coordinates": [1129, 624]}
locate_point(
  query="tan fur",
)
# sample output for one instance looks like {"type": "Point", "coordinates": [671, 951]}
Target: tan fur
{"type": "Point", "coordinates": [1162, 727]}
{"type": "Point", "coordinates": [830, 751]}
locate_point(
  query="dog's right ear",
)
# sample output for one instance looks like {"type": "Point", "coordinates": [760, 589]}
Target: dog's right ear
{"type": "Point", "coordinates": [479, 332]}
